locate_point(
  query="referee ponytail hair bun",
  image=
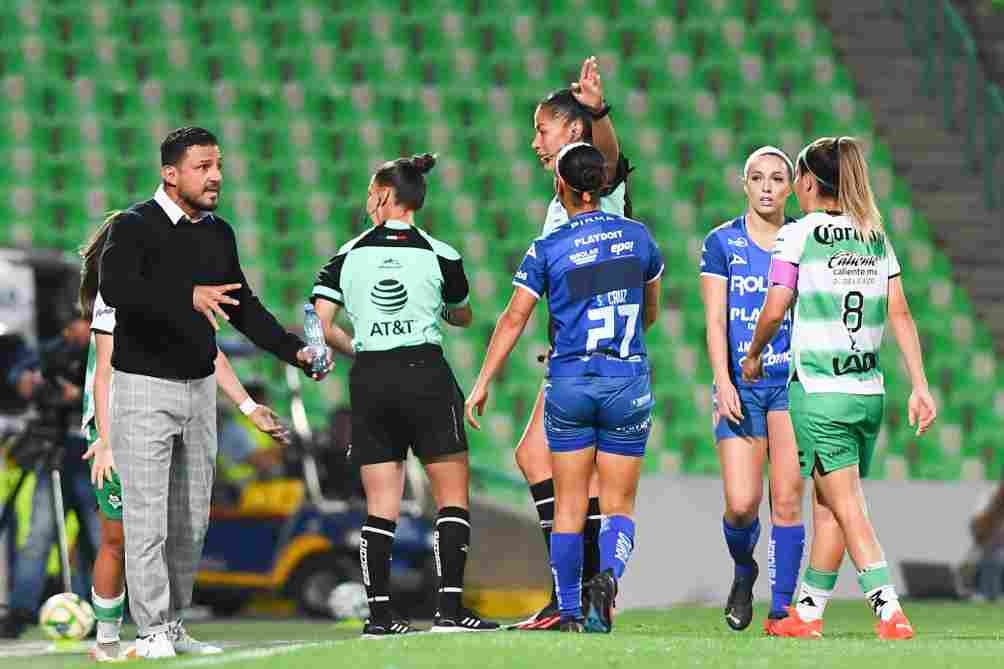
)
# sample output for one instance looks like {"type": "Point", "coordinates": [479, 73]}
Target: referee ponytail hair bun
{"type": "Point", "coordinates": [406, 176]}
{"type": "Point", "coordinates": [424, 162]}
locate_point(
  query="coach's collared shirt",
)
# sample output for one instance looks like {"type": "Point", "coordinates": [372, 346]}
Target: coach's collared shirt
{"type": "Point", "coordinates": [176, 213]}
{"type": "Point", "coordinates": [152, 261]}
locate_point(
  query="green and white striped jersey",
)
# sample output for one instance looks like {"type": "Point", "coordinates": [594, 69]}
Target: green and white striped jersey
{"type": "Point", "coordinates": [102, 321]}
{"type": "Point", "coordinates": [842, 302]}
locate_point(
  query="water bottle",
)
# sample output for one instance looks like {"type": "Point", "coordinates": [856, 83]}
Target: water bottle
{"type": "Point", "coordinates": [314, 332]}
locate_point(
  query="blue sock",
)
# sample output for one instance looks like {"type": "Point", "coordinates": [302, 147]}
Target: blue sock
{"type": "Point", "coordinates": [784, 557]}
{"type": "Point", "coordinates": [566, 565]}
{"type": "Point", "coordinates": [616, 544]}
{"type": "Point", "coordinates": [741, 542]}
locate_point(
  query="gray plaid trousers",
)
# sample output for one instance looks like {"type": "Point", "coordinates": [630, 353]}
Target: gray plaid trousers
{"type": "Point", "coordinates": [163, 434]}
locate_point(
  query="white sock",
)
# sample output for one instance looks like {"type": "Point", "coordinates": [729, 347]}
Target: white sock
{"type": "Point", "coordinates": [811, 602]}
{"type": "Point", "coordinates": [108, 629]}
{"type": "Point", "coordinates": [883, 601]}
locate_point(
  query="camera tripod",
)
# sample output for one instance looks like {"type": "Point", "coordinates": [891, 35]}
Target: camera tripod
{"type": "Point", "coordinates": [46, 447]}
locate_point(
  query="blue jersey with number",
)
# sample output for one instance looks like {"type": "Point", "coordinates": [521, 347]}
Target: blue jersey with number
{"type": "Point", "coordinates": [730, 253]}
{"type": "Point", "coordinates": [593, 270]}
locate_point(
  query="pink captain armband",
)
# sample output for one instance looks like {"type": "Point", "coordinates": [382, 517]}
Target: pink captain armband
{"type": "Point", "coordinates": [784, 273]}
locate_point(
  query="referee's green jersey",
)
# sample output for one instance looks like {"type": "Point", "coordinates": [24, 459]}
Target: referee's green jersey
{"type": "Point", "coordinates": [393, 282]}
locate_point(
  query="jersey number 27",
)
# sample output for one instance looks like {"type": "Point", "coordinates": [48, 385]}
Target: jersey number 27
{"type": "Point", "coordinates": [607, 331]}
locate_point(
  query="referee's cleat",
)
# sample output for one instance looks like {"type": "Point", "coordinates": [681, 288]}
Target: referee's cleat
{"type": "Point", "coordinates": [575, 625]}
{"type": "Point", "coordinates": [600, 611]}
{"type": "Point", "coordinates": [548, 619]}
{"type": "Point", "coordinates": [465, 621]}
{"type": "Point", "coordinates": [739, 607]}
{"type": "Point", "coordinates": [372, 630]}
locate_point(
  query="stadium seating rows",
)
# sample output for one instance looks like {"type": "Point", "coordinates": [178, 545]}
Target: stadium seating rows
{"type": "Point", "coordinates": [307, 97]}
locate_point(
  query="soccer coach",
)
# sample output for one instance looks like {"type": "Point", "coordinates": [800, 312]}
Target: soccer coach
{"type": "Point", "coordinates": [170, 269]}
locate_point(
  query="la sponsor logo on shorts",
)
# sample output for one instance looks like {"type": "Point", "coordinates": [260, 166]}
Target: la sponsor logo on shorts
{"type": "Point", "coordinates": [115, 501]}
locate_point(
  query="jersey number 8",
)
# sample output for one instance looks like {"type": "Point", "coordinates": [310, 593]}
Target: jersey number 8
{"type": "Point", "coordinates": [606, 331]}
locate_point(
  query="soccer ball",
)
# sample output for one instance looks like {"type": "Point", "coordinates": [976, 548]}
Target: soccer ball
{"type": "Point", "coordinates": [66, 616]}
{"type": "Point", "coordinates": [348, 600]}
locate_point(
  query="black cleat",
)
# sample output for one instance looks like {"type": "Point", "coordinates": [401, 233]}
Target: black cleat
{"type": "Point", "coordinates": [739, 607]}
{"type": "Point", "coordinates": [573, 625]}
{"type": "Point", "coordinates": [374, 630]}
{"type": "Point", "coordinates": [548, 619]}
{"type": "Point", "coordinates": [465, 621]}
{"type": "Point", "coordinates": [602, 590]}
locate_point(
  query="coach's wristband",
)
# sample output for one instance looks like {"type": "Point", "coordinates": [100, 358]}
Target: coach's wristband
{"type": "Point", "coordinates": [248, 406]}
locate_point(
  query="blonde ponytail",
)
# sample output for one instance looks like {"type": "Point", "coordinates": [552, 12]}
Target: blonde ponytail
{"type": "Point", "coordinates": [855, 194]}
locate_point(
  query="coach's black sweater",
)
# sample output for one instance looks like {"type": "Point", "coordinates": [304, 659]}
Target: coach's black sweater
{"type": "Point", "coordinates": [149, 268]}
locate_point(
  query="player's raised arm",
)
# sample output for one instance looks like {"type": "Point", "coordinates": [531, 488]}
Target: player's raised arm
{"type": "Point", "coordinates": [588, 90]}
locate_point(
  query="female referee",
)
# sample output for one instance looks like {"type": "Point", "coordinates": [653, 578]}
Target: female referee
{"type": "Point", "coordinates": [600, 273]}
{"type": "Point", "coordinates": [839, 268]}
{"type": "Point", "coordinates": [574, 114]}
{"type": "Point", "coordinates": [396, 282]}
{"type": "Point", "coordinates": [752, 421]}
{"type": "Point", "coordinates": [108, 594]}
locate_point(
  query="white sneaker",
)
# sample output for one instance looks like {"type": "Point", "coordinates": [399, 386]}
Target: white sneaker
{"type": "Point", "coordinates": [184, 644]}
{"type": "Point", "coordinates": [154, 646]}
{"type": "Point", "coordinates": [108, 652]}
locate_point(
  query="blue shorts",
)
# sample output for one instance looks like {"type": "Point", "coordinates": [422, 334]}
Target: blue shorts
{"type": "Point", "coordinates": [756, 404]}
{"type": "Point", "coordinates": [614, 413]}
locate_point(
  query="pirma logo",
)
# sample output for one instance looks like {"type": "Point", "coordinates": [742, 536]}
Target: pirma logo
{"type": "Point", "coordinates": [389, 296]}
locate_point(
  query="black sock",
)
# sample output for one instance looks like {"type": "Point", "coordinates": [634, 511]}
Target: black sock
{"type": "Point", "coordinates": [591, 541]}
{"type": "Point", "coordinates": [453, 538]}
{"type": "Point", "coordinates": [543, 499]}
{"type": "Point", "coordinates": [375, 544]}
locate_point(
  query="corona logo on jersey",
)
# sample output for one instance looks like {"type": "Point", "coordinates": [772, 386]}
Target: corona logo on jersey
{"type": "Point", "coordinates": [829, 234]}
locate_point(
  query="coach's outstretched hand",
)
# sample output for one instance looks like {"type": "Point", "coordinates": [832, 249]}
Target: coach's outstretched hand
{"type": "Point", "coordinates": [476, 402]}
{"type": "Point", "coordinates": [752, 369]}
{"type": "Point", "coordinates": [207, 300]}
{"type": "Point", "coordinates": [268, 422]}
{"type": "Point", "coordinates": [306, 359]}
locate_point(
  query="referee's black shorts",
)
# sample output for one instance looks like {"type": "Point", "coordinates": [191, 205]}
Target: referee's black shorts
{"type": "Point", "coordinates": [401, 399]}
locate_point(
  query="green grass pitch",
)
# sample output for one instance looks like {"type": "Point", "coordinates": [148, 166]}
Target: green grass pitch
{"type": "Point", "coordinates": [948, 635]}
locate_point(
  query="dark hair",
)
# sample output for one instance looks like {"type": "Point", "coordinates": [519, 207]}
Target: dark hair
{"type": "Point", "coordinates": [177, 142]}
{"type": "Point", "coordinates": [583, 168]}
{"type": "Point", "coordinates": [839, 167]}
{"type": "Point", "coordinates": [90, 256]}
{"type": "Point", "coordinates": [406, 177]}
{"type": "Point", "coordinates": [562, 104]}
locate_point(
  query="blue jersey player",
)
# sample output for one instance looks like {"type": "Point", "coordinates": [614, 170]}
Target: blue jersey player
{"type": "Point", "coordinates": [600, 273]}
{"type": "Point", "coordinates": [752, 421]}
